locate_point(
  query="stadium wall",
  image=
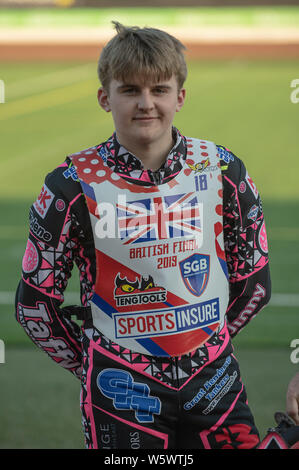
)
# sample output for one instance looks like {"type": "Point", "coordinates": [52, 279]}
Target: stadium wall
{"type": "Point", "coordinates": [217, 42]}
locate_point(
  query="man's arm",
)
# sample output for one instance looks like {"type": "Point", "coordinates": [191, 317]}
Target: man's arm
{"type": "Point", "coordinates": [48, 327]}
{"type": "Point", "coordinates": [292, 398]}
{"type": "Point", "coordinates": [245, 243]}
{"type": "Point", "coordinates": [53, 246]}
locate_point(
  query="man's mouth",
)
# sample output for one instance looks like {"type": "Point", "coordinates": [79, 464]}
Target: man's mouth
{"type": "Point", "coordinates": [145, 118]}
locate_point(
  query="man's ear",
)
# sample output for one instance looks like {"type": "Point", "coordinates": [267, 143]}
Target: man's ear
{"type": "Point", "coordinates": [103, 99]}
{"type": "Point", "coordinates": [181, 99]}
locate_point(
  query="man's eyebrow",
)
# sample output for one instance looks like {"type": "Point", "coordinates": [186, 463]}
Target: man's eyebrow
{"type": "Point", "coordinates": [162, 85]}
{"type": "Point", "coordinates": [128, 85]}
{"type": "Point", "coordinates": [135, 85]}
{"type": "Point", "coordinates": [125, 85]}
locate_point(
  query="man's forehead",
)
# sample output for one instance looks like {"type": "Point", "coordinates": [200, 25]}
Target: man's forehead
{"type": "Point", "coordinates": [143, 82]}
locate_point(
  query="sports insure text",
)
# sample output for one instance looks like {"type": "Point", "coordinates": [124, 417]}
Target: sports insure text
{"type": "Point", "coordinates": [168, 321]}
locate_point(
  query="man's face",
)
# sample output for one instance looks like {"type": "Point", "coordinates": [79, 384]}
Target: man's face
{"type": "Point", "coordinates": [143, 113]}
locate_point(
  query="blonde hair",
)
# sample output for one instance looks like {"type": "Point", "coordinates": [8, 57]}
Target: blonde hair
{"type": "Point", "coordinates": [149, 53]}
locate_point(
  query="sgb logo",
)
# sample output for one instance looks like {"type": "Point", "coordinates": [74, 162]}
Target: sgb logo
{"type": "Point", "coordinates": [295, 93]}
{"type": "Point", "coordinates": [195, 271]}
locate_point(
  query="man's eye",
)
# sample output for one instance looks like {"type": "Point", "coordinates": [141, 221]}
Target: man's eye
{"type": "Point", "coordinates": [129, 90]}
{"type": "Point", "coordinates": [160, 91]}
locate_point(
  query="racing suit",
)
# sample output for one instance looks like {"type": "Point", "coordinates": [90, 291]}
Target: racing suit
{"type": "Point", "coordinates": [196, 400]}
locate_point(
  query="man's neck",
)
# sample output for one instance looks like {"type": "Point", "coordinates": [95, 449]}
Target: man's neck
{"type": "Point", "coordinates": [152, 155]}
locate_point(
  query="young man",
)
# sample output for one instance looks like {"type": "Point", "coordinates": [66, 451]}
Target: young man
{"type": "Point", "coordinates": [169, 238]}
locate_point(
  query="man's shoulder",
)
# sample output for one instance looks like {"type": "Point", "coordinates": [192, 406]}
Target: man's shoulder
{"type": "Point", "coordinates": [62, 178]}
{"type": "Point", "coordinates": [225, 155]}
{"type": "Point", "coordinates": [231, 165]}
{"type": "Point", "coordinates": [64, 175]}
{"type": "Point", "coordinates": [87, 152]}
{"type": "Point", "coordinates": [61, 183]}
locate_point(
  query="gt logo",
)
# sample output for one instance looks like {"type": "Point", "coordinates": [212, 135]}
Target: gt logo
{"type": "Point", "coordinates": [126, 394]}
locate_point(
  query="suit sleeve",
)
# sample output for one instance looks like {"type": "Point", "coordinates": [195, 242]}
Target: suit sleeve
{"type": "Point", "coordinates": [245, 241]}
{"type": "Point", "coordinates": [54, 244]}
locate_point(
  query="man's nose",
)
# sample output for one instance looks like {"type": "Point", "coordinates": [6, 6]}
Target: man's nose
{"type": "Point", "coordinates": [145, 101]}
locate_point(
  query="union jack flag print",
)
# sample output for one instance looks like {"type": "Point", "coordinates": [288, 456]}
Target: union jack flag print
{"type": "Point", "coordinates": [159, 218]}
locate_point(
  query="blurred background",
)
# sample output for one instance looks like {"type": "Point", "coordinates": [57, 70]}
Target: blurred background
{"type": "Point", "coordinates": [243, 58]}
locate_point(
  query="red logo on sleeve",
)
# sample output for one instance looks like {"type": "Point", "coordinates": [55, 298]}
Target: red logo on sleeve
{"type": "Point", "coordinates": [44, 201]}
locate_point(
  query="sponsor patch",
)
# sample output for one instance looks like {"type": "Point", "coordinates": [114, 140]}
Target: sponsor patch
{"type": "Point", "coordinates": [253, 213]}
{"type": "Point", "coordinates": [60, 205]}
{"type": "Point", "coordinates": [30, 259]}
{"type": "Point", "coordinates": [138, 292]}
{"type": "Point", "coordinates": [38, 230]}
{"type": "Point", "coordinates": [44, 201]}
{"type": "Point", "coordinates": [225, 155]}
{"type": "Point", "coordinates": [119, 386]}
{"type": "Point", "coordinates": [103, 153]}
{"type": "Point", "coordinates": [167, 321]}
{"type": "Point", "coordinates": [195, 271]}
{"type": "Point", "coordinates": [262, 239]}
{"type": "Point", "coordinates": [252, 185]}
{"type": "Point", "coordinates": [199, 166]}
{"type": "Point", "coordinates": [37, 323]}
{"type": "Point", "coordinates": [242, 187]}
{"type": "Point", "coordinates": [211, 388]}
{"type": "Point", "coordinates": [71, 173]}
{"type": "Point", "coordinates": [249, 310]}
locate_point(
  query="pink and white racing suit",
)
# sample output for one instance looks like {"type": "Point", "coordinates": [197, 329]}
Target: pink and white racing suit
{"type": "Point", "coordinates": [130, 399]}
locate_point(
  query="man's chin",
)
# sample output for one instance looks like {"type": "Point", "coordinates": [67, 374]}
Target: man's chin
{"type": "Point", "coordinates": [145, 138]}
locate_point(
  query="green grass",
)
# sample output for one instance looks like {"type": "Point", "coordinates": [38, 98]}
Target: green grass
{"type": "Point", "coordinates": [42, 405]}
{"type": "Point", "coordinates": [156, 17]}
{"type": "Point", "coordinates": [50, 111]}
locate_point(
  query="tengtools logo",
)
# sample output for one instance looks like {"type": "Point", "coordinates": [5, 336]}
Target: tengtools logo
{"type": "Point", "coordinates": [140, 291]}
